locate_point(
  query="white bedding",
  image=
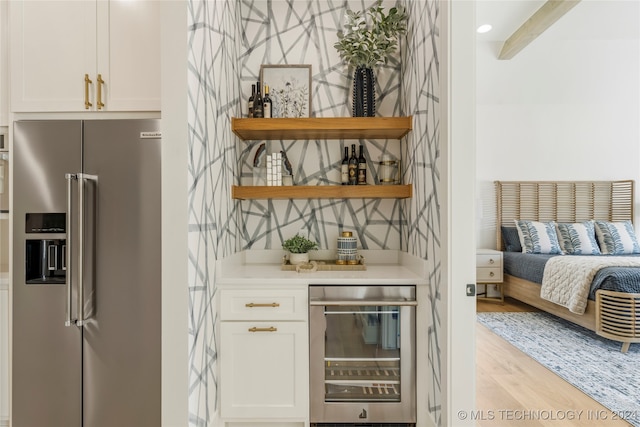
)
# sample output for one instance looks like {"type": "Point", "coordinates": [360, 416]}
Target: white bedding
{"type": "Point", "coordinates": [567, 279]}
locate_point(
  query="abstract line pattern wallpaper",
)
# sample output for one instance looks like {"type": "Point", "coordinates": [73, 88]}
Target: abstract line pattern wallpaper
{"type": "Point", "coordinates": [228, 42]}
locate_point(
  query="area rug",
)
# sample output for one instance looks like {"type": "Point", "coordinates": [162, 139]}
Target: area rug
{"type": "Point", "coordinates": [589, 362]}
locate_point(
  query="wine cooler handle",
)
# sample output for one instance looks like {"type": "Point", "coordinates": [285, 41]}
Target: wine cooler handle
{"type": "Point", "coordinates": [69, 320]}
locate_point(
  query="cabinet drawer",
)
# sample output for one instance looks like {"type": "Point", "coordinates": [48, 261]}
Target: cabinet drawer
{"type": "Point", "coordinates": [489, 274]}
{"type": "Point", "coordinates": [483, 260]}
{"type": "Point", "coordinates": [259, 304]}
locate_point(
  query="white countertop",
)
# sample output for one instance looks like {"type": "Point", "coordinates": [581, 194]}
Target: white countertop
{"type": "Point", "coordinates": [264, 268]}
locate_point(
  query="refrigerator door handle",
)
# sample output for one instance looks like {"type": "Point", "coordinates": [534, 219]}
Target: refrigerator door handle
{"type": "Point", "coordinates": [80, 303]}
{"type": "Point", "coordinates": [69, 320]}
{"type": "Point", "coordinates": [83, 316]}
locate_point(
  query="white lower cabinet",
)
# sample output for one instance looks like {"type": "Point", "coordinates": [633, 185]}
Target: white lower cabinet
{"type": "Point", "coordinates": [264, 356]}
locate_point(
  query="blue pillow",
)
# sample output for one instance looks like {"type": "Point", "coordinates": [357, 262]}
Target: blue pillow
{"type": "Point", "coordinates": [511, 239]}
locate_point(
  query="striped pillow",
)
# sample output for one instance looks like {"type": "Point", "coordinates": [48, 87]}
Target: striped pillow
{"type": "Point", "coordinates": [578, 238]}
{"type": "Point", "coordinates": [617, 238]}
{"type": "Point", "coordinates": [538, 237]}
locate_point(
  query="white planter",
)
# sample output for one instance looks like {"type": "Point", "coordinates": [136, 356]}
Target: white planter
{"type": "Point", "coordinates": [296, 259]}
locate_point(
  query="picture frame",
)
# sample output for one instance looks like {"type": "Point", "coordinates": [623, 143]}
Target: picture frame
{"type": "Point", "coordinates": [289, 89]}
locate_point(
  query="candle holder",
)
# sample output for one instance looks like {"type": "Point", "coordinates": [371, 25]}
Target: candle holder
{"type": "Point", "coordinates": [389, 170]}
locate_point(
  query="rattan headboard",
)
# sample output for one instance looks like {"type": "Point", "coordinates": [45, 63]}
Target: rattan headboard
{"type": "Point", "coordinates": [562, 201]}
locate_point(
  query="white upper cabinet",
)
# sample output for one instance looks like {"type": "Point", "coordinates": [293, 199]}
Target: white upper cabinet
{"type": "Point", "coordinates": [85, 55]}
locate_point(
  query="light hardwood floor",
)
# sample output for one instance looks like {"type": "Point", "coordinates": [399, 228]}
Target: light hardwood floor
{"type": "Point", "coordinates": [512, 389]}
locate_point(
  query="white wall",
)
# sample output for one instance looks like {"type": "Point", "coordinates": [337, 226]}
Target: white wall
{"type": "Point", "coordinates": [560, 109]}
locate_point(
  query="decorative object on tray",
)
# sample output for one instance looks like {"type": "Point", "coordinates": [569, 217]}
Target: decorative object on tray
{"type": "Point", "coordinates": [347, 249]}
{"type": "Point", "coordinates": [364, 45]}
{"type": "Point", "coordinates": [290, 89]}
{"type": "Point", "coordinates": [298, 247]}
{"type": "Point", "coordinates": [322, 265]}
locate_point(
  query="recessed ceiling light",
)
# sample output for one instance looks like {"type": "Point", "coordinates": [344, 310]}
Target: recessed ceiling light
{"type": "Point", "coordinates": [485, 28]}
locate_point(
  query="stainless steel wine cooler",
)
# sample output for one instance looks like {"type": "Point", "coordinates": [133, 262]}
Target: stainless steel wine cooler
{"type": "Point", "coordinates": [362, 354]}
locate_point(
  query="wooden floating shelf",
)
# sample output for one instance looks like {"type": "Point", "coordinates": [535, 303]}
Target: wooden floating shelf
{"type": "Point", "coordinates": [323, 128]}
{"type": "Point", "coordinates": [322, 192]}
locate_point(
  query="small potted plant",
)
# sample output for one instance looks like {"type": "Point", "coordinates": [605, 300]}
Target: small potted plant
{"type": "Point", "coordinates": [299, 247]}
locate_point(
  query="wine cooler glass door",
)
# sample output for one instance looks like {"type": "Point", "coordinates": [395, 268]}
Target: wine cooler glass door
{"type": "Point", "coordinates": [362, 354]}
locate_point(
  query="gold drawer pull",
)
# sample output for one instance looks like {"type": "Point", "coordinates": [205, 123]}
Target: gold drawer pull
{"type": "Point", "coordinates": [271, 304]}
{"type": "Point", "coordinates": [491, 261]}
{"type": "Point", "coordinates": [269, 329]}
{"type": "Point", "coordinates": [491, 274]}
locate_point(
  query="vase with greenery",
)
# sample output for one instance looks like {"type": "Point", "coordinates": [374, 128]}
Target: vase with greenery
{"type": "Point", "coordinates": [369, 40]}
{"type": "Point", "coordinates": [299, 247]}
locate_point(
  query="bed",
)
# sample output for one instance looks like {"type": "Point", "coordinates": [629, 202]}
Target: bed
{"type": "Point", "coordinates": [611, 313]}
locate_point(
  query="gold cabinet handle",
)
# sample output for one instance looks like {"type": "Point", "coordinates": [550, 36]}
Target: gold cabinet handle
{"type": "Point", "coordinates": [491, 261]}
{"type": "Point", "coordinates": [87, 82]}
{"type": "Point", "coordinates": [491, 274]}
{"type": "Point", "coordinates": [253, 304]}
{"type": "Point", "coordinates": [269, 329]}
{"type": "Point", "coordinates": [99, 102]}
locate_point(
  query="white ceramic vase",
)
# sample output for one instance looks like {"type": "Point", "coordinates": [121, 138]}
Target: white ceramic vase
{"type": "Point", "coordinates": [296, 259]}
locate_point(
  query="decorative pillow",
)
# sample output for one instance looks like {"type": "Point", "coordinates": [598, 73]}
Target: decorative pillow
{"type": "Point", "coordinates": [578, 238]}
{"type": "Point", "coordinates": [511, 239]}
{"type": "Point", "coordinates": [617, 238]}
{"type": "Point", "coordinates": [538, 237]}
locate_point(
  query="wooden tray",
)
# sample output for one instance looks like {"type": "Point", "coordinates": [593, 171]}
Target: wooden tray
{"type": "Point", "coordinates": [323, 265]}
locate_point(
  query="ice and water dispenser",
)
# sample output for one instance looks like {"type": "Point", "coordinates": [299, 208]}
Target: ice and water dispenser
{"type": "Point", "coordinates": [45, 257]}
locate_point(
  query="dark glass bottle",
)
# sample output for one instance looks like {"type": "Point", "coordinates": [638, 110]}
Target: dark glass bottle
{"type": "Point", "coordinates": [266, 103]}
{"type": "Point", "coordinates": [258, 111]}
{"type": "Point", "coordinates": [353, 166]}
{"type": "Point", "coordinates": [250, 102]}
{"type": "Point", "coordinates": [344, 169]}
{"type": "Point", "coordinates": [362, 168]}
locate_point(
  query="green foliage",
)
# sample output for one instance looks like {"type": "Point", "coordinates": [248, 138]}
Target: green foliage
{"type": "Point", "coordinates": [299, 245]}
{"type": "Point", "coordinates": [364, 45]}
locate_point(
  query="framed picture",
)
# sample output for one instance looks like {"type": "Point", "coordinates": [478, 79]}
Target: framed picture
{"type": "Point", "coordinates": [289, 89]}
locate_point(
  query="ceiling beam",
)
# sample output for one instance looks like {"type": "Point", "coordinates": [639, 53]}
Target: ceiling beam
{"type": "Point", "coordinates": [542, 19]}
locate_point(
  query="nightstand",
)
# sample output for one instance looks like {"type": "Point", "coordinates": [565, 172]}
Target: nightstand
{"type": "Point", "coordinates": [489, 272]}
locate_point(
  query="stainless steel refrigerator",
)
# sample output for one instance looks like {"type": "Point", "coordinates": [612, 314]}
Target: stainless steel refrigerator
{"type": "Point", "coordinates": [86, 274]}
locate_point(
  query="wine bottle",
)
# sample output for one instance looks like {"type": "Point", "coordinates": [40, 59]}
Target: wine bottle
{"type": "Point", "coordinates": [344, 170]}
{"type": "Point", "coordinates": [258, 111]}
{"type": "Point", "coordinates": [362, 168]}
{"type": "Point", "coordinates": [266, 103]}
{"type": "Point", "coordinates": [353, 166]}
{"type": "Point", "coordinates": [250, 102]}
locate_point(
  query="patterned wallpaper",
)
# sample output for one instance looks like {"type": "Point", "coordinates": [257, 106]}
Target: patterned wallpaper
{"type": "Point", "coordinates": [228, 41]}
{"type": "Point", "coordinates": [421, 94]}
